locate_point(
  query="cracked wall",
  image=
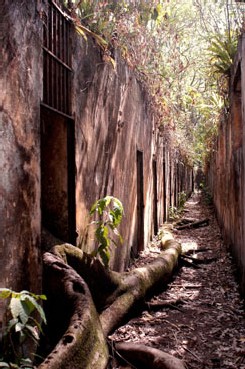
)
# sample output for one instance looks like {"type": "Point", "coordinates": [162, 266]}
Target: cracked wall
{"type": "Point", "coordinates": [19, 139]}
{"type": "Point", "coordinates": [113, 121]}
{"type": "Point", "coordinates": [227, 167]}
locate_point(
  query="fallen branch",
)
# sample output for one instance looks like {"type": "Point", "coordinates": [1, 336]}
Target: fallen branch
{"type": "Point", "coordinates": [198, 261]}
{"type": "Point", "coordinates": [200, 223]}
{"type": "Point", "coordinates": [171, 304]}
{"type": "Point", "coordinates": [185, 221]}
{"type": "Point", "coordinates": [188, 264]}
{"type": "Point", "coordinates": [191, 251]}
{"type": "Point", "coordinates": [194, 355]}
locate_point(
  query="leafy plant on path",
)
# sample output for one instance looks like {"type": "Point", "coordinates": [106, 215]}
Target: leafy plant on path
{"type": "Point", "coordinates": [27, 316]}
{"type": "Point", "coordinates": [108, 212]}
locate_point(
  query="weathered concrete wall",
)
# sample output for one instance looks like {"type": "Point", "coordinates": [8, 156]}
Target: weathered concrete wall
{"type": "Point", "coordinates": [113, 121]}
{"type": "Point", "coordinates": [21, 82]}
{"type": "Point", "coordinates": [118, 150]}
{"type": "Point", "coordinates": [226, 171]}
{"type": "Point", "coordinates": [20, 195]}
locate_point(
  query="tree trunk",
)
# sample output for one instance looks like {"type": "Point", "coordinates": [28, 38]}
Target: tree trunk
{"type": "Point", "coordinates": [86, 302]}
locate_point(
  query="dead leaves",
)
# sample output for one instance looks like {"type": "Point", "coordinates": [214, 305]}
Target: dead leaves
{"type": "Point", "coordinates": [208, 331]}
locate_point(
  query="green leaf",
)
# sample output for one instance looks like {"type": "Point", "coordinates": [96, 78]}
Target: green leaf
{"type": "Point", "coordinates": [105, 257]}
{"type": "Point", "coordinates": [99, 206]}
{"type": "Point", "coordinates": [117, 215]}
{"type": "Point", "coordinates": [42, 297]}
{"type": "Point", "coordinates": [17, 310]}
{"type": "Point", "coordinates": [30, 304]}
{"type": "Point", "coordinates": [5, 293]}
{"type": "Point", "coordinates": [93, 208]}
{"type": "Point", "coordinates": [110, 210]}
{"type": "Point", "coordinates": [102, 235]}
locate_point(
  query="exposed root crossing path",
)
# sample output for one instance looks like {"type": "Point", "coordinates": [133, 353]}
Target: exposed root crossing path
{"type": "Point", "coordinates": [200, 317]}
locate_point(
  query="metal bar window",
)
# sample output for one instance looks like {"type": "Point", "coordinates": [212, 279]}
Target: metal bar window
{"type": "Point", "coordinates": [56, 60]}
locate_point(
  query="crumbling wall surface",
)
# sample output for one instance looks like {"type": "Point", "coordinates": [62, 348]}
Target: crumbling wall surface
{"type": "Point", "coordinates": [118, 149]}
{"type": "Point", "coordinates": [113, 121]}
{"type": "Point", "coordinates": [226, 171]}
{"type": "Point", "coordinates": [19, 141]}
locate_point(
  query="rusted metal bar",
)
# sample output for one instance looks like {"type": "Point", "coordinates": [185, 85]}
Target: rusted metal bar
{"type": "Point", "coordinates": [56, 60]}
{"type": "Point", "coordinates": [55, 110]}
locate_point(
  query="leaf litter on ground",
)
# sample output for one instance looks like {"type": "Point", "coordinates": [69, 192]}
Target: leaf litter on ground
{"type": "Point", "coordinates": [208, 329]}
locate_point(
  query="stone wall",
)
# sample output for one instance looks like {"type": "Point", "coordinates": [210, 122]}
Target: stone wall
{"type": "Point", "coordinates": [226, 170]}
{"type": "Point", "coordinates": [108, 146]}
{"type": "Point", "coordinates": [21, 83]}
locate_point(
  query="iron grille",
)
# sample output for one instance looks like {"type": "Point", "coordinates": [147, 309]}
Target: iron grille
{"type": "Point", "coordinates": [56, 60]}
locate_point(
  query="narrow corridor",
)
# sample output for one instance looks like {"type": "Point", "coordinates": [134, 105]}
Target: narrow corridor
{"type": "Point", "coordinates": [204, 324]}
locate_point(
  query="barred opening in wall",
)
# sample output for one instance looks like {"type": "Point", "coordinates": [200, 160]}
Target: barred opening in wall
{"type": "Point", "coordinates": [56, 60]}
{"type": "Point", "coordinates": [58, 175]}
{"type": "Point", "coordinates": [155, 210]}
{"type": "Point", "coordinates": [164, 187]}
{"type": "Point", "coordinates": [237, 129]}
{"type": "Point", "coordinates": [57, 129]}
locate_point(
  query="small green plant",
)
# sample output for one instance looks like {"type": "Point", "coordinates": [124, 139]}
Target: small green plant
{"type": "Point", "coordinates": [207, 197]}
{"type": "Point", "coordinates": [23, 308]}
{"type": "Point", "coordinates": [181, 200]}
{"type": "Point", "coordinates": [108, 212]}
{"type": "Point", "coordinates": [172, 213]}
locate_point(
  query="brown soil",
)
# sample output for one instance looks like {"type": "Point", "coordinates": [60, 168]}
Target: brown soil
{"type": "Point", "coordinates": [205, 322]}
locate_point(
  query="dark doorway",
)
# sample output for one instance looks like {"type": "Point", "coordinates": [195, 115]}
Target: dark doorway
{"type": "Point", "coordinates": [164, 187]}
{"type": "Point", "coordinates": [154, 173]}
{"type": "Point", "coordinates": [140, 202]}
{"type": "Point", "coordinates": [170, 185]}
{"type": "Point", "coordinates": [58, 175]}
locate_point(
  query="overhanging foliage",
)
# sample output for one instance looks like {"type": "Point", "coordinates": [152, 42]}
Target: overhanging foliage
{"type": "Point", "coordinates": [182, 52]}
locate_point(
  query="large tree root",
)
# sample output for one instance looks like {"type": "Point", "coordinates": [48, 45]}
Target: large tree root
{"type": "Point", "coordinates": [71, 310]}
{"type": "Point", "coordinates": [138, 283]}
{"type": "Point", "coordinates": [82, 321]}
{"type": "Point", "coordinates": [141, 356]}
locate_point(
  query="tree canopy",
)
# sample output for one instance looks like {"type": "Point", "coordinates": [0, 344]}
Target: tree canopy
{"type": "Point", "coordinates": [181, 51]}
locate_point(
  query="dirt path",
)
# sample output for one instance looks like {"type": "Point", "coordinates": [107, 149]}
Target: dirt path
{"type": "Point", "coordinates": [206, 328]}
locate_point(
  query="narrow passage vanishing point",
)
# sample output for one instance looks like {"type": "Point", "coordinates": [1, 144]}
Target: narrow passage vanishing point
{"type": "Point", "coordinates": [200, 317]}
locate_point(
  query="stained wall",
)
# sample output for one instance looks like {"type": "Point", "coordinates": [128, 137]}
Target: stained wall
{"type": "Point", "coordinates": [21, 82]}
{"type": "Point", "coordinates": [226, 168]}
{"type": "Point", "coordinates": [117, 151]}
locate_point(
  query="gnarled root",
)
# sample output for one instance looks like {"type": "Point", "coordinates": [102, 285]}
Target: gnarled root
{"type": "Point", "coordinates": [142, 356]}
